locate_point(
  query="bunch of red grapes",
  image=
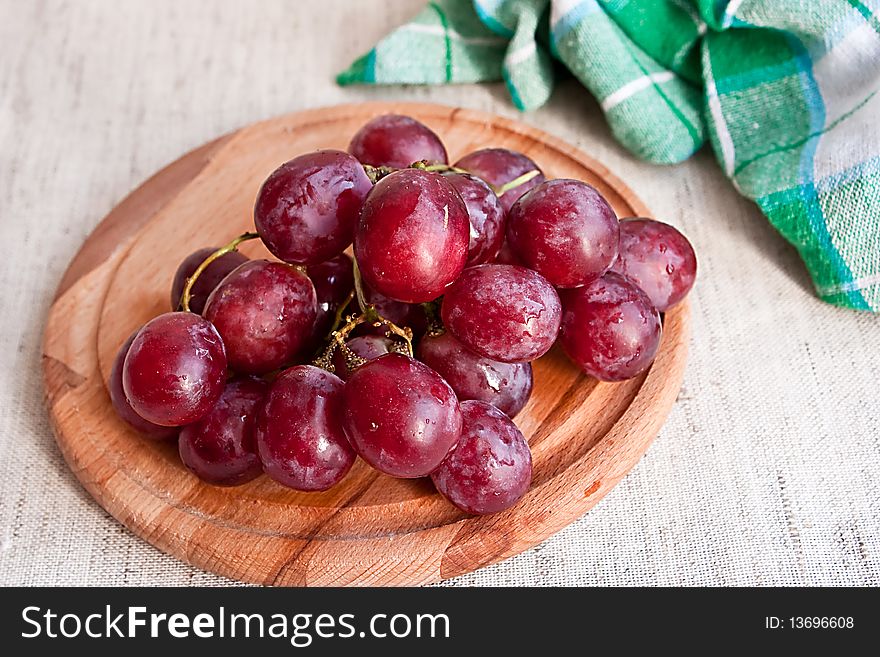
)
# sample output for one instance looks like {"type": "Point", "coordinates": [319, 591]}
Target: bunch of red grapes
{"type": "Point", "coordinates": [295, 367]}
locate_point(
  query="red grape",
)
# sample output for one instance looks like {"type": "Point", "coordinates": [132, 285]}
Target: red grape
{"type": "Point", "coordinates": [486, 217]}
{"type": "Point", "coordinates": [490, 468]}
{"type": "Point", "coordinates": [564, 230]}
{"type": "Point", "coordinates": [175, 369]}
{"type": "Point", "coordinates": [400, 415]}
{"type": "Point", "coordinates": [299, 431]}
{"type": "Point", "coordinates": [499, 166]}
{"type": "Point", "coordinates": [333, 280]}
{"type": "Point", "coordinates": [220, 448]}
{"type": "Point", "coordinates": [507, 386]}
{"type": "Point", "coordinates": [307, 208]}
{"type": "Point", "coordinates": [265, 312]}
{"type": "Point", "coordinates": [657, 258]}
{"type": "Point", "coordinates": [396, 141]}
{"type": "Point", "coordinates": [412, 238]}
{"type": "Point", "coordinates": [123, 408]}
{"type": "Point", "coordinates": [365, 346]}
{"type": "Point", "coordinates": [610, 329]}
{"type": "Point", "coordinates": [207, 280]}
{"type": "Point", "coordinates": [503, 312]}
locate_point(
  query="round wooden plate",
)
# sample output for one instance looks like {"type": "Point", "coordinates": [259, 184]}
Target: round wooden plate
{"type": "Point", "coordinates": [371, 529]}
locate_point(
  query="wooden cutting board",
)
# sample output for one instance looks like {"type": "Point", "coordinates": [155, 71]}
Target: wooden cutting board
{"type": "Point", "coordinates": [371, 529]}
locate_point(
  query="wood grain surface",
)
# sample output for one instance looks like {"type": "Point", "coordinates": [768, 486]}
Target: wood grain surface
{"type": "Point", "coordinates": [370, 529]}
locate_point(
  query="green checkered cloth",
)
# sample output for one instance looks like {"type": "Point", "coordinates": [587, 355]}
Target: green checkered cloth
{"type": "Point", "coordinates": [785, 91]}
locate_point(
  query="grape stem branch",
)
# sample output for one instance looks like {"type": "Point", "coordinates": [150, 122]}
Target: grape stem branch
{"type": "Point", "coordinates": [219, 253]}
{"type": "Point", "coordinates": [375, 174]}
{"type": "Point", "coordinates": [516, 182]}
{"type": "Point", "coordinates": [367, 315]}
{"type": "Point", "coordinates": [340, 314]}
{"type": "Point", "coordinates": [359, 288]}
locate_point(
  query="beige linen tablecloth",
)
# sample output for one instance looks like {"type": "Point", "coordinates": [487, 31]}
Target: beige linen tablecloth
{"type": "Point", "coordinates": [767, 471]}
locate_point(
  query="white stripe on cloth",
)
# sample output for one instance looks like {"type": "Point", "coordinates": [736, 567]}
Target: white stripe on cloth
{"type": "Point", "coordinates": [849, 286]}
{"type": "Point", "coordinates": [520, 54]}
{"type": "Point", "coordinates": [559, 8]}
{"type": "Point", "coordinates": [686, 48]}
{"type": "Point", "coordinates": [634, 87]}
{"type": "Point", "coordinates": [688, 8]}
{"type": "Point", "coordinates": [437, 30]}
{"type": "Point", "coordinates": [728, 153]}
{"type": "Point", "coordinates": [729, 11]}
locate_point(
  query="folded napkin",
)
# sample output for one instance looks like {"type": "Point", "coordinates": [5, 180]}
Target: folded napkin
{"type": "Point", "coordinates": [785, 91]}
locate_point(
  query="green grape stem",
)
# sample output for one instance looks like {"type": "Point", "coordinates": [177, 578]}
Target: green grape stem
{"type": "Point", "coordinates": [359, 287]}
{"type": "Point", "coordinates": [516, 182]}
{"type": "Point", "coordinates": [424, 165]}
{"type": "Point", "coordinates": [219, 253]}
{"type": "Point", "coordinates": [367, 315]}
{"type": "Point", "coordinates": [340, 314]}
{"type": "Point", "coordinates": [499, 190]}
{"type": "Point", "coordinates": [375, 174]}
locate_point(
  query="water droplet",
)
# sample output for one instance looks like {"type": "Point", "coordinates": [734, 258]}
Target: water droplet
{"type": "Point", "coordinates": [373, 426]}
{"type": "Point", "coordinates": [670, 269]}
